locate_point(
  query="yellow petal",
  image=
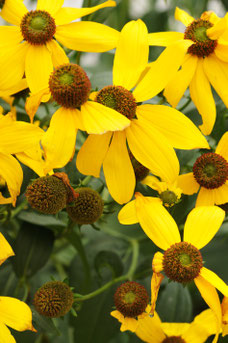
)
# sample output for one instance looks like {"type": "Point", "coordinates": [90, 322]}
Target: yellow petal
{"type": "Point", "coordinates": [38, 67]}
{"type": "Point", "coordinates": [225, 316]}
{"type": "Point", "coordinates": [13, 11]}
{"type": "Point", "coordinates": [214, 280]}
{"type": "Point", "coordinates": [149, 329]}
{"type": "Point", "coordinates": [202, 224]}
{"type": "Point", "coordinates": [202, 97]}
{"type": "Point", "coordinates": [217, 73]}
{"type": "Point", "coordinates": [51, 6]}
{"type": "Point", "coordinates": [152, 150]}
{"type": "Point", "coordinates": [15, 314]}
{"type": "Point", "coordinates": [131, 54]}
{"type": "Point", "coordinates": [203, 326]}
{"type": "Point", "coordinates": [210, 295]}
{"type": "Point", "coordinates": [156, 281]}
{"type": "Point", "coordinates": [98, 118]}
{"type": "Point", "coordinates": [162, 71]}
{"type": "Point", "coordinates": [175, 329]}
{"type": "Point", "coordinates": [129, 324]}
{"type": "Point", "coordinates": [164, 38]}
{"type": "Point", "coordinates": [206, 197]}
{"type": "Point", "coordinates": [6, 250]}
{"type": "Point", "coordinates": [221, 194]}
{"type": "Point", "coordinates": [152, 182]}
{"type": "Point", "coordinates": [118, 170]}
{"type": "Point", "coordinates": [128, 214]}
{"type": "Point", "coordinates": [222, 147]}
{"type": "Point", "coordinates": [177, 86]}
{"type": "Point", "coordinates": [183, 16]}
{"type": "Point", "coordinates": [10, 35]}
{"type": "Point", "coordinates": [33, 102]}
{"type": "Point", "coordinates": [157, 263]}
{"type": "Point", "coordinates": [176, 127]}
{"type": "Point", "coordinates": [91, 155]}
{"type": "Point", "coordinates": [217, 30]}
{"type": "Point", "coordinates": [58, 55]}
{"type": "Point", "coordinates": [156, 222]}
{"type": "Point", "coordinates": [221, 52]}
{"type": "Point", "coordinates": [12, 66]}
{"type": "Point", "coordinates": [5, 334]}
{"type": "Point", "coordinates": [36, 165]}
{"type": "Point", "coordinates": [67, 14]}
{"type": "Point", "coordinates": [117, 315]}
{"type": "Point", "coordinates": [12, 173]}
{"type": "Point", "coordinates": [87, 36]}
{"type": "Point", "coordinates": [21, 85]}
{"type": "Point", "coordinates": [59, 140]}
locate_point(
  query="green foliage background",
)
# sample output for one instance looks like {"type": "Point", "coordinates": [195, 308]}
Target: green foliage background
{"type": "Point", "coordinates": [47, 248]}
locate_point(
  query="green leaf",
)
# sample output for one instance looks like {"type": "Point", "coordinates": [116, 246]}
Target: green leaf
{"type": "Point", "coordinates": [43, 220]}
{"type": "Point", "coordinates": [110, 260]}
{"type": "Point", "coordinates": [33, 247]}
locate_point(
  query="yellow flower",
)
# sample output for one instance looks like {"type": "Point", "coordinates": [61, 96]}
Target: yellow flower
{"type": "Point", "coordinates": [30, 46]}
{"type": "Point", "coordinates": [152, 131]}
{"type": "Point", "coordinates": [13, 312]}
{"type": "Point", "coordinates": [205, 63]}
{"type": "Point", "coordinates": [152, 330]}
{"type": "Point", "coordinates": [16, 138]}
{"type": "Point", "coordinates": [210, 176]}
{"type": "Point", "coordinates": [169, 193]}
{"type": "Point", "coordinates": [182, 261]}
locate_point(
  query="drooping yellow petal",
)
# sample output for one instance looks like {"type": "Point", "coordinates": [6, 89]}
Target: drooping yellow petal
{"type": "Point", "coordinates": [206, 197]}
{"type": "Point", "coordinates": [12, 66]}
{"type": "Point", "coordinates": [13, 11]}
{"type": "Point", "coordinates": [214, 280]}
{"type": "Point", "coordinates": [67, 14]}
{"type": "Point", "coordinates": [175, 126]}
{"type": "Point", "coordinates": [51, 6]}
{"type": "Point", "coordinates": [164, 38]}
{"type": "Point", "coordinates": [118, 169]}
{"type": "Point", "coordinates": [183, 16]}
{"type": "Point", "coordinates": [156, 281]}
{"type": "Point", "coordinates": [59, 140]}
{"type": "Point", "coordinates": [91, 155]}
{"type": "Point", "coordinates": [156, 221]}
{"type": "Point", "coordinates": [87, 36]}
{"type": "Point", "coordinates": [58, 55]}
{"type": "Point", "coordinates": [217, 29]}
{"type": "Point", "coordinates": [217, 73]}
{"type": "Point", "coordinates": [128, 214]}
{"type": "Point", "coordinates": [210, 295]}
{"type": "Point", "coordinates": [222, 147]}
{"type": "Point", "coordinates": [157, 263]}
{"type": "Point", "coordinates": [162, 71]}
{"type": "Point", "coordinates": [175, 329]}
{"type": "Point", "coordinates": [12, 173]}
{"type": "Point", "coordinates": [5, 334]}
{"type": "Point", "coordinates": [152, 182]}
{"type": "Point", "coordinates": [131, 54]}
{"type": "Point", "coordinates": [149, 329]}
{"type": "Point", "coordinates": [177, 86]}
{"type": "Point", "coordinates": [36, 165]}
{"type": "Point", "coordinates": [10, 35]}
{"type": "Point", "coordinates": [152, 150]}
{"type": "Point", "coordinates": [6, 250]}
{"type": "Point", "coordinates": [221, 194]}
{"type": "Point", "coordinates": [98, 119]}
{"type": "Point", "coordinates": [38, 67]}
{"type": "Point", "coordinates": [33, 102]}
{"type": "Point", "coordinates": [21, 85]}
{"type": "Point", "coordinates": [202, 224]}
{"type": "Point", "coordinates": [129, 324]}
{"type": "Point", "coordinates": [202, 97]}
{"type": "Point", "coordinates": [221, 52]}
{"type": "Point", "coordinates": [117, 315]}
{"type": "Point", "coordinates": [203, 326]}
{"type": "Point", "coordinates": [15, 314]}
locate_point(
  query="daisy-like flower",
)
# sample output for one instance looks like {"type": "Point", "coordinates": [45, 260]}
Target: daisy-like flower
{"type": "Point", "coordinates": [131, 301]}
{"type": "Point", "coordinates": [152, 330]}
{"type": "Point", "coordinates": [16, 138]}
{"type": "Point", "coordinates": [209, 176]}
{"type": "Point", "coordinates": [30, 45]}
{"type": "Point", "coordinates": [14, 313]}
{"type": "Point", "coordinates": [205, 63]}
{"type": "Point", "coordinates": [152, 131]}
{"type": "Point", "coordinates": [182, 261]}
{"type": "Point", "coordinates": [170, 194]}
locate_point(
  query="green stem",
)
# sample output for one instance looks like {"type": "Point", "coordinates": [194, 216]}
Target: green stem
{"type": "Point", "coordinates": [135, 255]}
{"type": "Point", "coordinates": [185, 105]}
{"type": "Point", "coordinates": [19, 208]}
{"type": "Point", "coordinates": [86, 180]}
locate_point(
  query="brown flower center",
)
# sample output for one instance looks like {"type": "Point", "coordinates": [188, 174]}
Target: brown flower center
{"type": "Point", "coordinates": [197, 32]}
{"type": "Point", "coordinates": [140, 171]}
{"type": "Point", "coordinates": [131, 299]}
{"type": "Point", "coordinates": [210, 170]}
{"type": "Point", "coordinates": [38, 27]}
{"type": "Point", "coordinates": [182, 262]}
{"type": "Point", "coordinates": [118, 98]}
{"type": "Point", "coordinates": [173, 339]}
